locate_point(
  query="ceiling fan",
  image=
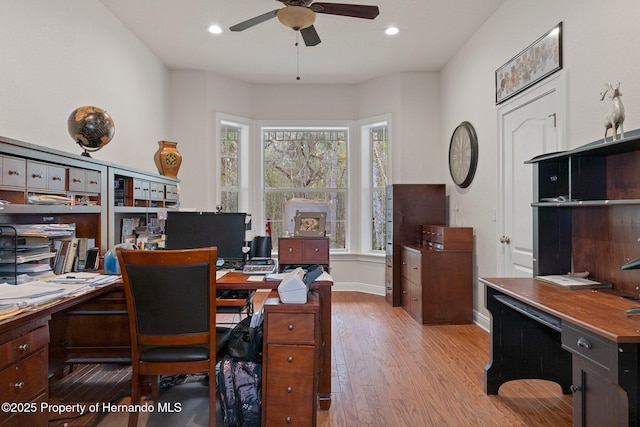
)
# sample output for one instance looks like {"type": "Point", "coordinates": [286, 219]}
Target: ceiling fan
{"type": "Point", "coordinates": [300, 15]}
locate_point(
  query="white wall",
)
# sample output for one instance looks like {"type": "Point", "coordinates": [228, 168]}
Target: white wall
{"type": "Point", "coordinates": [600, 42]}
{"type": "Point", "coordinates": [58, 55]}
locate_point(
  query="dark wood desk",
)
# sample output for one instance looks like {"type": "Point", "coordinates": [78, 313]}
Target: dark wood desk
{"type": "Point", "coordinates": [29, 353]}
{"type": "Point", "coordinates": [581, 339]}
{"type": "Point", "coordinates": [93, 328]}
{"type": "Point", "coordinates": [235, 280]}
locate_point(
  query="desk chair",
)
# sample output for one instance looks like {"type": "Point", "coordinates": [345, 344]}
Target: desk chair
{"type": "Point", "coordinates": [171, 298]}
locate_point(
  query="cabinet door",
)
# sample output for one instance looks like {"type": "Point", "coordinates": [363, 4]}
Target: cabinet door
{"type": "Point", "coordinates": [597, 401]}
{"type": "Point", "coordinates": [290, 251]}
{"type": "Point", "coordinates": [316, 251]}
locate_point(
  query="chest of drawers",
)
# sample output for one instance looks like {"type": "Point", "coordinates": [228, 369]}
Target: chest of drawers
{"type": "Point", "coordinates": [290, 362]}
{"type": "Point", "coordinates": [23, 373]}
{"type": "Point", "coordinates": [303, 251]}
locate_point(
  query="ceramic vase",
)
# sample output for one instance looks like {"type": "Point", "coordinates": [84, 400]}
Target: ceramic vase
{"type": "Point", "coordinates": [167, 159]}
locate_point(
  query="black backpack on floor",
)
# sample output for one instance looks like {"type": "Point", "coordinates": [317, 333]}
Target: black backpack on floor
{"type": "Point", "coordinates": [239, 385]}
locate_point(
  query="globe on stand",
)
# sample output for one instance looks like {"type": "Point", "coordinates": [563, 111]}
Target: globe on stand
{"type": "Point", "coordinates": [91, 127]}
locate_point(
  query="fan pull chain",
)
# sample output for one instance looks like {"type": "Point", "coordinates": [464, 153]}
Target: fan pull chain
{"type": "Point", "coordinates": [298, 53]}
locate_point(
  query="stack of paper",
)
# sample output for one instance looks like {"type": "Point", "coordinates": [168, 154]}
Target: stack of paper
{"type": "Point", "coordinates": [28, 294]}
{"type": "Point", "coordinates": [85, 278]}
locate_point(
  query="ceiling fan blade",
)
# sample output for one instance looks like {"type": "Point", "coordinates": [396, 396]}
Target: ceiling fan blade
{"type": "Point", "coordinates": [310, 36]}
{"type": "Point", "coordinates": [352, 10]}
{"type": "Point", "coordinates": [254, 21]}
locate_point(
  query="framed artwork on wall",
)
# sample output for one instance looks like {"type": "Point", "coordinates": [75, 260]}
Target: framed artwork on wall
{"type": "Point", "coordinates": [539, 60]}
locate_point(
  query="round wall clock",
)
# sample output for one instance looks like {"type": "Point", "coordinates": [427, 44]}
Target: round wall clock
{"type": "Point", "coordinates": [463, 154]}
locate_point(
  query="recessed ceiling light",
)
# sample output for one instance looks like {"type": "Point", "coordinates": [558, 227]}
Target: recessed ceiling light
{"type": "Point", "coordinates": [214, 29]}
{"type": "Point", "coordinates": [391, 31]}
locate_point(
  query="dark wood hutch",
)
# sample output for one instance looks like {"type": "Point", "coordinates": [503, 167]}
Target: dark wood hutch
{"type": "Point", "coordinates": [586, 212]}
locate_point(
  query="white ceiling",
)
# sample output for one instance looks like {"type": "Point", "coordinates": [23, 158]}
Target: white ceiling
{"type": "Point", "coordinates": [352, 50]}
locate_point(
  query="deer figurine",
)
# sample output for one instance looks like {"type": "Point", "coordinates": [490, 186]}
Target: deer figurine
{"type": "Point", "coordinates": [616, 118]}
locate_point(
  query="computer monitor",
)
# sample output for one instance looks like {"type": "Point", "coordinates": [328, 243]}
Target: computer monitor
{"type": "Point", "coordinates": [226, 231]}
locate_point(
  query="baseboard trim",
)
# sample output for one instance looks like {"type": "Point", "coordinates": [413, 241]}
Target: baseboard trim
{"type": "Point", "coordinates": [358, 287]}
{"type": "Point", "coordinates": [479, 319]}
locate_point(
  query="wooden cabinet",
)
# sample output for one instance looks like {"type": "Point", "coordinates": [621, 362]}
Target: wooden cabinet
{"type": "Point", "coordinates": [303, 251]}
{"type": "Point", "coordinates": [407, 207]}
{"type": "Point", "coordinates": [290, 362]}
{"type": "Point", "coordinates": [437, 282]}
{"type": "Point", "coordinates": [598, 400]}
{"type": "Point", "coordinates": [23, 373]}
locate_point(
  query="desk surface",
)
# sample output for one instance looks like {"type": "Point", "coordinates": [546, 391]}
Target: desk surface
{"type": "Point", "coordinates": [596, 310]}
{"type": "Point", "coordinates": [233, 279]}
{"type": "Point", "coordinates": [55, 306]}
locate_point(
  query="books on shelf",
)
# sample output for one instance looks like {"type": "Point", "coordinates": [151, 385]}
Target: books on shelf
{"type": "Point", "coordinates": [70, 260]}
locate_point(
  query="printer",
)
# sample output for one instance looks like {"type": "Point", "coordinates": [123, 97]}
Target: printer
{"type": "Point", "coordinates": [292, 289]}
{"type": "Point", "coordinates": [294, 285]}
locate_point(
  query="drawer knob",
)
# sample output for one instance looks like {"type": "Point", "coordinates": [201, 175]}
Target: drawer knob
{"type": "Point", "coordinates": [289, 389]}
{"type": "Point", "coordinates": [316, 249]}
{"type": "Point", "coordinates": [19, 385]}
{"type": "Point", "coordinates": [290, 249]}
{"type": "Point", "coordinates": [36, 175]}
{"type": "Point", "coordinates": [575, 388]}
{"type": "Point", "coordinates": [23, 347]}
{"type": "Point", "coordinates": [415, 299]}
{"type": "Point", "coordinates": [583, 342]}
{"type": "Point", "coordinates": [290, 327]}
{"type": "Point", "coordinates": [16, 173]}
{"type": "Point", "coordinates": [290, 359]}
{"type": "Point", "coordinates": [288, 420]}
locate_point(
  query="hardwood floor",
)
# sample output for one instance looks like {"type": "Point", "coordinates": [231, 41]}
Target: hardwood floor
{"type": "Point", "coordinates": [387, 371]}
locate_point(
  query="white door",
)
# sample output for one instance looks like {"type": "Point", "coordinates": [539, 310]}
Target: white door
{"type": "Point", "coordinates": [529, 126]}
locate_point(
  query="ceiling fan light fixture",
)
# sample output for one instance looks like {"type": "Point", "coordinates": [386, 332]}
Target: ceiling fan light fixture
{"type": "Point", "coordinates": [296, 17]}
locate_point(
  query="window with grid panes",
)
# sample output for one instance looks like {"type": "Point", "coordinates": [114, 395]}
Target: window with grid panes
{"type": "Point", "coordinates": [306, 163]}
{"type": "Point", "coordinates": [229, 167]}
{"type": "Point", "coordinates": [379, 179]}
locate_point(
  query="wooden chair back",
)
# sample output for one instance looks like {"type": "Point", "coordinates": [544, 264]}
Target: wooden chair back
{"type": "Point", "coordinates": [171, 300]}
